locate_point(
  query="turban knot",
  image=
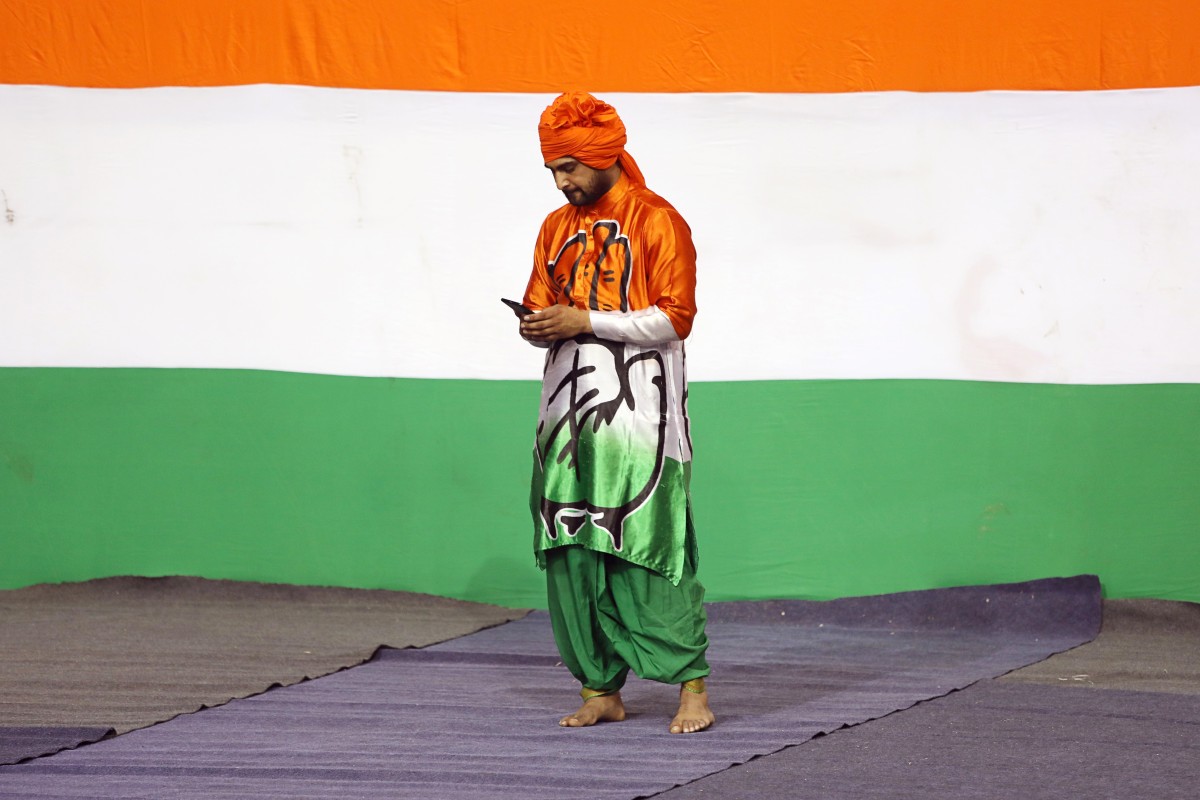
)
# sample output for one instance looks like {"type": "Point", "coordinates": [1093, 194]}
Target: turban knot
{"type": "Point", "coordinates": [589, 130]}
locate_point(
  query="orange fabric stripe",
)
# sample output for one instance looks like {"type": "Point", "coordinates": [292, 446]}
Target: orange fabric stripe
{"type": "Point", "coordinates": [619, 45]}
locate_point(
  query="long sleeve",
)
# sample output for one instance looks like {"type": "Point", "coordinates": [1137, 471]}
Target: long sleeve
{"type": "Point", "coordinates": [540, 292]}
{"type": "Point", "coordinates": [671, 271]}
{"type": "Point", "coordinates": [646, 327]}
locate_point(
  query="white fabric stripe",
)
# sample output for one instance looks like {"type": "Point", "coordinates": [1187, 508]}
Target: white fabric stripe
{"type": "Point", "coordinates": [1048, 237]}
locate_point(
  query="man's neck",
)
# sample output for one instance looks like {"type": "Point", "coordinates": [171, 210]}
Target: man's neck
{"type": "Point", "coordinates": [612, 176]}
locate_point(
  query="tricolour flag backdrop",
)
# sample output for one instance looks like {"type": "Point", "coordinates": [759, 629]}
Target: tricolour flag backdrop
{"type": "Point", "coordinates": [949, 264]}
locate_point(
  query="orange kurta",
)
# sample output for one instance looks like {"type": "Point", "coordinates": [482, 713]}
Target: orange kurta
{"type": "Point", "coordinates": [626, 252]}
{"type": "Point", "coordinates": [613, 455]}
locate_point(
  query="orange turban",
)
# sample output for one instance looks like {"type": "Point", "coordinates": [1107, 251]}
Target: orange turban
{"type": "Point", "coordinates": [578, 125]}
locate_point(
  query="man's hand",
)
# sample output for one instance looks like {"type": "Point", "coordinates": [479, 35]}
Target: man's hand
{"type": "Point", "coordinates": [554, 323]}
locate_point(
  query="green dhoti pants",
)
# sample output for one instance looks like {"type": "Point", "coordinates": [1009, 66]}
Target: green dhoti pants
{"type": "Point", "coordinates": [610, 616]}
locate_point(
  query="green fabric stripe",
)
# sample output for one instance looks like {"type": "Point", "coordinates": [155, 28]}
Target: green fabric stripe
{"type": "Point", "coordinates": [800, 489]}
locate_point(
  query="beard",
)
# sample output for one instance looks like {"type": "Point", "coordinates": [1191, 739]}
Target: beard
{"type": "Point", "coordinates": [593, 189]}
{"type": "Point", "coordinates": [578, 197]}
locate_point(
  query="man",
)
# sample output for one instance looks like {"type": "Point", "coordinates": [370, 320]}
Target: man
{"type": "Point", "coordinates": [613, 291]}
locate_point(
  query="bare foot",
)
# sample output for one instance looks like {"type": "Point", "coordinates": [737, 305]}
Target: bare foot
{"type": "Point", "coordinates": [694, 714]}
{"type": "Point", "coordinates": [606, 708]}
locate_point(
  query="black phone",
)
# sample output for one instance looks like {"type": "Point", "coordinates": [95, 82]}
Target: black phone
{"type": "Point", "coordinates": [518, 309]}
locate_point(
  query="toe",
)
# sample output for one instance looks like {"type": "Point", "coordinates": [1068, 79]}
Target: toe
{"type": "Point", "coordinates": [689, 726]}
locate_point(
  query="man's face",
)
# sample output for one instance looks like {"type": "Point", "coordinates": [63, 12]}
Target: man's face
{"type": "Point", "coordinates": [578, 182]}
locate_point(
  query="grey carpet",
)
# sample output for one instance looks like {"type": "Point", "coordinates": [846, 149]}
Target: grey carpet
{"type": "Point", "coordinates": [993, 741]}
{"type": "Point", "coordinates": [1118, 717]}
{"type": "Point", "coordinates": [79, 661]}
{"type": "Point", "coordinates": [475, 717]}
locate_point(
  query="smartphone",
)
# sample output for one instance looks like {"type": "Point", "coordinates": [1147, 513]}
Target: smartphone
{"type": "Point", "coordinates": [518, 309]}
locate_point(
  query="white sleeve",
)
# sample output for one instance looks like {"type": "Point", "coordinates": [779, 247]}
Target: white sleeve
{"type": "Point", "coordinates": [647, 326]}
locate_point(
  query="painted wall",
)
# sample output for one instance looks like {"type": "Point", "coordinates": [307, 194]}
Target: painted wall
{"type": "Point", "coordinates": [947, 288]}
{"type": "Point", "coordinates": [802, 488]}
